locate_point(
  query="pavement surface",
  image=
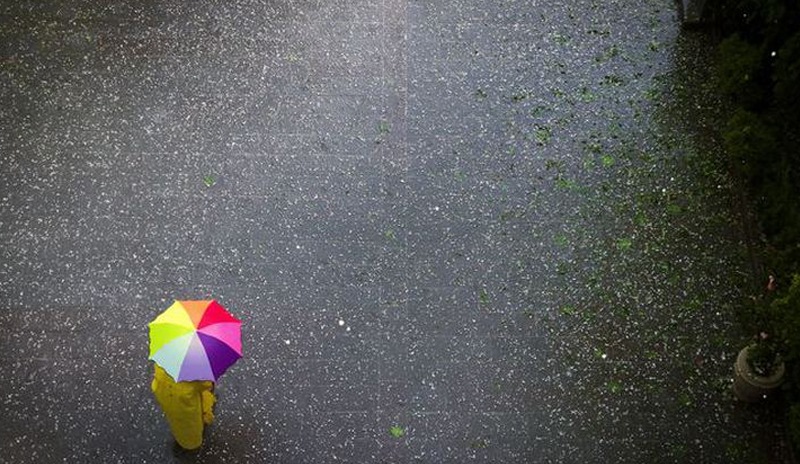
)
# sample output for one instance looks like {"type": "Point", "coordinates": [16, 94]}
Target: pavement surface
{"type": "Point", "coordinates": [455, 230]}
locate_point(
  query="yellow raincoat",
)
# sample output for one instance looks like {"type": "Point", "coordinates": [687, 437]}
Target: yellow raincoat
{"type": "Point", "coordinates": [187, 405]}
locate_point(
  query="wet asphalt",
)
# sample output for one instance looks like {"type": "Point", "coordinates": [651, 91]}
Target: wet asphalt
{"type": "Point", "coordinates": [455, 231]}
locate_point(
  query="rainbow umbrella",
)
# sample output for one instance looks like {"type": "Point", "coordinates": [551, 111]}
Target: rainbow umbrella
{"type": "Point", "coordinates": [195, 340]}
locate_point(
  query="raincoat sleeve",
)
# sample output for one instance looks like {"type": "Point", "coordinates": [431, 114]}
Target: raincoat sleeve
{"type": "Point", "coordinates": [208, 400]}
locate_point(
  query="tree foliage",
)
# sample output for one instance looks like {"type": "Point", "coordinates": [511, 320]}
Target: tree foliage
{"type": "Point", "coordinates": [758, 68]}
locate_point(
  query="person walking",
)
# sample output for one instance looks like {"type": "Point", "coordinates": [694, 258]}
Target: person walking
{"type": "Point", "coordinates": [192, 343]}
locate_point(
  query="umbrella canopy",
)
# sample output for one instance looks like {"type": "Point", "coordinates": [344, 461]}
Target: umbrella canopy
{"type": "Point", "coordinates": [195, 340]}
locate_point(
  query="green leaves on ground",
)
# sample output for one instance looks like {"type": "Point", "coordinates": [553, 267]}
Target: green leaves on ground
{"type": "Point", "coordinates": [479, 444]}
{"type": "Point", "coordinates": [397, 432]}
{"type": "Point", "coordinates": [624, 244]}
{"type": "Point", "coordinates": [614, 386]}
{"type": "Point", "coordinates": [383, 131]}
